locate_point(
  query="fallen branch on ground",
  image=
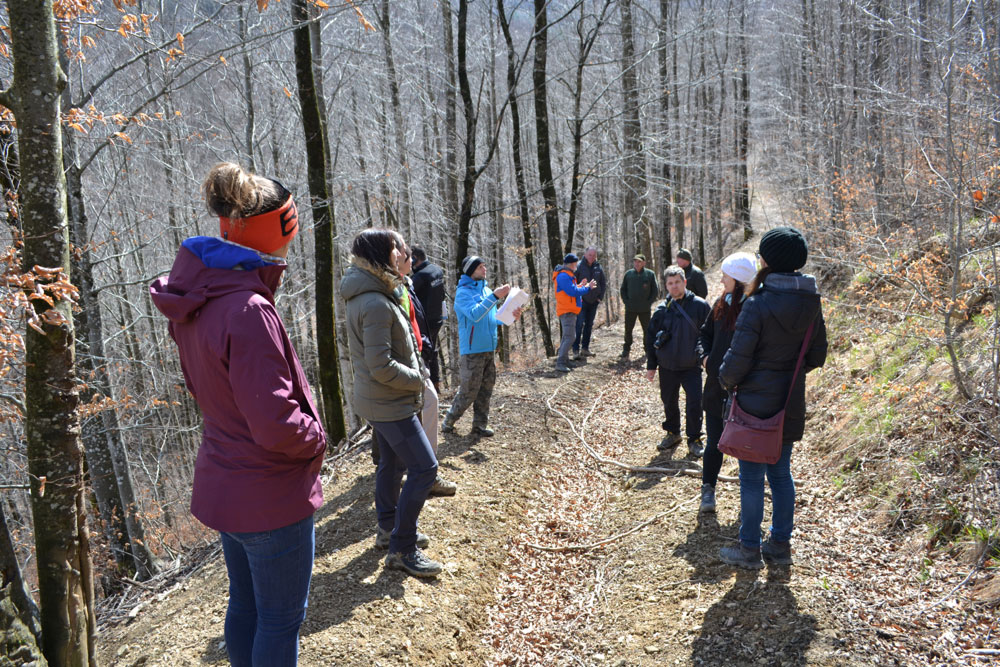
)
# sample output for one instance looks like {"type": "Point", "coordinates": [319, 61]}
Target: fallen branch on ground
{"type": "Point", "coordinates": [613, 538]}
{"type": "Point", "coordinates": [672, 472]}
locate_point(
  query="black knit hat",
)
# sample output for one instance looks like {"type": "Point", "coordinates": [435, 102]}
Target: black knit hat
{"type": "Point", "coordinates": [470, 264]}
{"type": "Point", "coordinates": [684, 253]}
{"type": "Point", "coordinates": [570, 258]}
{"type": "Point", "coordinates": [784, 249]}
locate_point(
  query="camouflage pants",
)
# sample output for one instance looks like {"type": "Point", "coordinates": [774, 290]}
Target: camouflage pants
{"type": "Point", "coordinates": [477, 375]}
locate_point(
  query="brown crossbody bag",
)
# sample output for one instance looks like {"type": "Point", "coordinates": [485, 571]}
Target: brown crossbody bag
{"type": "Point", "coordinates": [754, 439]}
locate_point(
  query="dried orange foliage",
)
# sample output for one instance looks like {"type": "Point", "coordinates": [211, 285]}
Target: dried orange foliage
{"type": "Point", "coordinates": [68, 10]}
{"type": "Point", "coordinates": [84, 120]}
{"type": "Point", "coordinates": [19, 292]}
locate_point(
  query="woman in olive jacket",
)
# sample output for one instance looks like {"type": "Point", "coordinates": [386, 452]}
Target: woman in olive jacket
{"type": "Point", "coordinates": [388, 392]}
{"type": "Point", "coordinates": [716, 333]}
{"type": "Point", "coordinates": [759, 366]}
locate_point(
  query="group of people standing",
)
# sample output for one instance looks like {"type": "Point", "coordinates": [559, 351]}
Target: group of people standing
{"type": "Point", "coordinates": [747, 343]}
{"type": "Point", "coordinates": [256, 476]}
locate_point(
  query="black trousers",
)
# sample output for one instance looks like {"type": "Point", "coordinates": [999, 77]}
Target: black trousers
{"type": "Point", "coordinates": [712, 461]}
{"type": "Point", "coordinates": [670, 386]}
{"type": "Point", "coordinates": [630, 318]}
{"type": "Point", "coordinates": [431, 358]}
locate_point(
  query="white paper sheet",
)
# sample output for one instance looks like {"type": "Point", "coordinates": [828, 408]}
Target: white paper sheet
{"type": "Point", "coordinates": [515, 299]}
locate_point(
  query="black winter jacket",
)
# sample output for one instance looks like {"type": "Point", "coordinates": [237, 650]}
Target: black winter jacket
{"type": "Point", "coordinates": [696, 282]}
{"type": "Point", "coordinates": [765, 347]}
{"type": "Point", "coordinates": [714, 341]}
{"type": "Point", "coordinates": [681, 351]}
{"type": "Point", "coordinates": [427, 350]}
{"type": "Point", "coordinates": [586, 272]}
{"type": "Point", "coordinates": [428, 283]}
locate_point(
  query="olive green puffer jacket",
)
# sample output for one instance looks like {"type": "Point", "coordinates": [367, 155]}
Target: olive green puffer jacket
{"type": "Point", "coordinates": [388, 373]}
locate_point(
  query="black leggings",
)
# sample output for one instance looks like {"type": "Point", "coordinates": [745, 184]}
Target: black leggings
{"type": "Point", "coordinates": [712, 461]}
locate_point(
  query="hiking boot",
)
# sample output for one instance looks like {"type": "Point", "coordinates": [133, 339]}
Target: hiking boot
{"type": "Point", "coordinates": [414, 563]}
{"type": "Point", "coordinates": [447, 426]}
{"type": "Point", "coordinates": [586, 353]}
{"type": "Point", "coordinates": [578, 355]}
{"type": "Point", "coordinates": [707, 498]}
{"type": "Point", "coordinates": [562, 368]}
{"type": "Point", "coordinates": [382, 538]}
{"type": "Point", "coordinates": [670, 441]}
{"type": "Point", "coordinates": [442, 487]}
{"type": "Point", "coordinates": [695, 448]}
{"type": "Point", "coordinates": [776, 553]}
{"type": "Point", "coordinates": [484, 431]}
{"type": "Point", "coordinates": [740, 556]}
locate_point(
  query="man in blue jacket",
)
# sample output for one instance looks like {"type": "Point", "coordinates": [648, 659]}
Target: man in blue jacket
{"type": "Point", "coordinates": [475, 306]}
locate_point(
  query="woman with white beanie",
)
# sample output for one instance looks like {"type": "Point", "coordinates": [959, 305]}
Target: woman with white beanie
{"type": "Point", "coordinates": [716, 333]}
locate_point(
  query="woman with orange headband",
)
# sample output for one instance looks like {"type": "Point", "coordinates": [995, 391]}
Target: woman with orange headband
{"type": "Point", "coordinates": [256, 478]}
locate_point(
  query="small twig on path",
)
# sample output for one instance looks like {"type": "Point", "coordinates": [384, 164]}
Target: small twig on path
{"type": "Point", "coordinates": [672, 472]}
{"type": "Point", "coordinates": [955, 589]}
{"type": "Point", "coordinates": [613, 538]}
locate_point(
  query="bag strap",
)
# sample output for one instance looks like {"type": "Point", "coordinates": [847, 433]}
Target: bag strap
{"type": "Point", "coordinates": [687, 317]}
{"type": "Point", "coordinates": [798, 364]}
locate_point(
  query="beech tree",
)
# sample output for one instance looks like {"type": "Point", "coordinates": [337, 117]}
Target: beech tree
{"type": "Point", "coordinates": [55, 455]}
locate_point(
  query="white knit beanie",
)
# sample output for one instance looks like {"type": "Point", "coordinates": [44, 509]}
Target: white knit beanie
{"type": "Point", "coordinates": [740, 266]}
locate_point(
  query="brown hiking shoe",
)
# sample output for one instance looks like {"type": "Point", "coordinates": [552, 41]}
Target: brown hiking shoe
{"type": "Point", "coordinates": [442, 487]}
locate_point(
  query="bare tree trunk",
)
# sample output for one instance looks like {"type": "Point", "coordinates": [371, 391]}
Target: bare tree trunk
{"type": "Point", "coordinates": [324, 223]}
{"type": "Point", "coordinates": [52, 431]}
{"type": "Point", "coordinates": [12, 580]}
{"type": "Point", "coordinates": [634, 160]}
{"type": "Point", "coordinates": [450, 121]}
{"type": "Point", "coordinates": [666, 247]}
{"type": "Point", "coordinates": [405, 218]}
{"type": "Point", "coordinates": [250, 128]}
{"type": "Point", "coordinates": [743, 130]}
{"type": "Point", "coordinates": [583, 53]}
{"type": "Point", "coordinates": [548, 185]}
{"type": "Point", "coordinates": [110, 474]}
{"type": "Point", "coordinates": [522, 190]}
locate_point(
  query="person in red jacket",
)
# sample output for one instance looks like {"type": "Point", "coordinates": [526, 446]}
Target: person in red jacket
{"type": "Point", "coordinates": [256, 478]}
{"type": "Point", "coordinates": [568, 294]}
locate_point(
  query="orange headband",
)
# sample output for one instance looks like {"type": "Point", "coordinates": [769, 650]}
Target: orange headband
{"type": "Point", "coordinates": [265, 232]}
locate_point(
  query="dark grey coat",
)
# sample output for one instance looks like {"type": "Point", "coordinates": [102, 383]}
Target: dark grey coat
{"type": "Point", "coordinates": [765, 347]}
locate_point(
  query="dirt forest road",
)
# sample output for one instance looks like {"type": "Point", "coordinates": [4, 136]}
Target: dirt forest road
{"type": "Point", "coordinates": [654, 596]}
{"type": "Point", "coordinates": [552, 558]}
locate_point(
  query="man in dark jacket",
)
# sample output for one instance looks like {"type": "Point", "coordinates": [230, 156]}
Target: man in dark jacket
{"type": "Point", "coordinates": [589, 269]}
{"type": "Point", "coordinates": [695, 277]}
{"type": "Point", "coordinates": [639, 292]}
{"type": "Point", "coordinates": [428, 285]}
{"type": "Point", "coordinates": [672, 345]}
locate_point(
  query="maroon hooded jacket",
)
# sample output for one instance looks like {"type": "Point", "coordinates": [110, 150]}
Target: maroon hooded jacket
{"type": "Point", "coordinates": [262, 443]}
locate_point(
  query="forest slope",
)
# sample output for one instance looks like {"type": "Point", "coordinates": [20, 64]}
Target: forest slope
{"type": "Point", "coordinates": [652, 593]}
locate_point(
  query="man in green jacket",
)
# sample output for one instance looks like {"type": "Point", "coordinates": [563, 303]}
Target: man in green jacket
{"type": "Point", "coordinates": [639, 292]}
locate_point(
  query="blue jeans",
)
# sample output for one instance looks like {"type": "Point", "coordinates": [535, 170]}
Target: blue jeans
{"type": "Point", "coordinates": [585, 325]}
{"type": "Point", "coordinates": [403, 446]}
{"type": "Point", "coordinates": [269, 575]}
{"type": "Point", "coordinates": [779, 476]}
